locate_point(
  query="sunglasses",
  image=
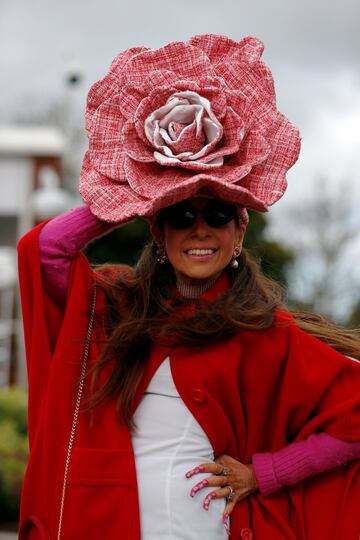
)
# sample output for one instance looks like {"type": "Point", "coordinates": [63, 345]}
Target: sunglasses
{"type": "Point", "coordinates": [183, 215]}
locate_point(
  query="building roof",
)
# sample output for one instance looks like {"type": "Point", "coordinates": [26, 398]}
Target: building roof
{"type": "Point", "coordinates": [31, 141]}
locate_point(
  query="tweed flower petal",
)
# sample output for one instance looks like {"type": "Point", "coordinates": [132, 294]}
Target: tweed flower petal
{"type": "Point", "coordinates": [166, 123]}
{"type": "Point", "coordinates": [155, 177]}
{"type": "Point", "coordinates": [102, 192]}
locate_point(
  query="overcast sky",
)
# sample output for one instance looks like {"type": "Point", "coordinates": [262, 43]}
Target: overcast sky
{"type": "Point", "coordinates": [312, 47]}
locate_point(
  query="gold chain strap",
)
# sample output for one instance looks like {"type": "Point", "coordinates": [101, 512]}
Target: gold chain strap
{"type": "Point", "coordinates": [76, 411]}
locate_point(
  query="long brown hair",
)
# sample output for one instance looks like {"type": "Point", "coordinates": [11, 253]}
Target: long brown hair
{"type": "Point", "coordinates": [140, 312]}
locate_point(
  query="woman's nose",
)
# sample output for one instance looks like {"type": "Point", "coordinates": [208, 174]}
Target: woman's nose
{"type": "Point", "coordinates": [200, 227]}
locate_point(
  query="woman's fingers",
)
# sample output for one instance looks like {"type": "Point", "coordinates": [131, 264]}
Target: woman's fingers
{"type": "Point", "coordinates": [218, 494]}
{"type": "Point", "coordinates": [225, 472]}
{"type": "Point", "coordinates": [230, 505]}
{"type": "Point", "coordinates": [212, 481]}
{"type": "Point", "coordinates": [198, 486]}
{"type": "Point", "coordinates": [214, 468]}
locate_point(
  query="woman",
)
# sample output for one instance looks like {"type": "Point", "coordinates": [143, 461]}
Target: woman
{"type": "Point", "coordinates": [192, 368]}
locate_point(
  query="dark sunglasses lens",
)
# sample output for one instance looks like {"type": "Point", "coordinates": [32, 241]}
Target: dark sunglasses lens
{"type": "Point", "coordinates": [183, 216]}
{"type": "Point", "coordinates": [179, 216]}
{"type": "Point", "coordinates": [219, 215]}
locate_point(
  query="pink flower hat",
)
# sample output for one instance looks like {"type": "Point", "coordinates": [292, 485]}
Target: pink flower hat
{"type": "Point", "coordinates": [191, 117]}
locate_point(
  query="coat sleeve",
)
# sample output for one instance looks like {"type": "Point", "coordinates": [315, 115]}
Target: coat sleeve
{"type": "Point", "coordinates": [325, 387]}
{"type": "Point", "coordinates": [329, 501]}
{"type": "Point", "coordinates": [42, 320]}
{"type": "Point", "coordinates": [292, 385]}
{"type": "Point", "coordinates": [304, 387]}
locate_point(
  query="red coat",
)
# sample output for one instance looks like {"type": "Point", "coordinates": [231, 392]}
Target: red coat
{"type": "Point", "coordinates": [256, 392]}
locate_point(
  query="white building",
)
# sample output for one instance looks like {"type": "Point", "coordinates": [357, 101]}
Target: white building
{"type": "Point", "coordinates": [31, 180]}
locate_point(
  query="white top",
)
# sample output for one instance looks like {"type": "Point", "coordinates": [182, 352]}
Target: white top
{"type": "Point", "coordinates": [168, 443]}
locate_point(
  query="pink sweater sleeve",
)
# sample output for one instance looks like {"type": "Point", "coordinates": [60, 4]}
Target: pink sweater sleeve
{"type": "Point", "coordinates": [297, 461]}
{"type": "Point", "coordinates": [59, 241]}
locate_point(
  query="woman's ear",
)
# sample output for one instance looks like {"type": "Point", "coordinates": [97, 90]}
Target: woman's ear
{"type": "Point", "coordinates": [240, 234]}
{"type": "Point", "coordinates": [159, 237]}
{"type": "Point", "coordinates": [157, 231]}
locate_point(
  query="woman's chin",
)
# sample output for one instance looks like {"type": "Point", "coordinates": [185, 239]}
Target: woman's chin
{"type": "Point", "coordinates": [197, 277]}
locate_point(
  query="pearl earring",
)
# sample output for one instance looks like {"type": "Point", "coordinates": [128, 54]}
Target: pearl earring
{"type": "Point", "coordinates": [234, 264]}
{"type": "Point", "coordinates": [161, 255]}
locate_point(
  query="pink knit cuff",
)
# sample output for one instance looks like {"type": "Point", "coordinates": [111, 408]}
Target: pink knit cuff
{"type": "Point", "coordinates": [265, 473]}
{"type": "Point", "coordinates": [297, 461]}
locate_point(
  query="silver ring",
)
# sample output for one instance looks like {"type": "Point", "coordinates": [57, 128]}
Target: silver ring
{"type": "Point", "coordinates": [224, 472]}
{"type": "Point", "coordinates": [231, 494]}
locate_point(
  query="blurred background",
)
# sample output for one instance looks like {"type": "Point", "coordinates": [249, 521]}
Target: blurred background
{"type": "Point", "coordinates": [51, 52]}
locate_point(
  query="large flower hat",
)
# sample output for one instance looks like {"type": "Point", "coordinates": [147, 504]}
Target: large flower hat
{"type": "Point", "coordinates": [190, 117]}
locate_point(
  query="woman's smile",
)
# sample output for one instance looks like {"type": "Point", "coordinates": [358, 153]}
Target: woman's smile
{"type": "Point", "coordinates": [200, 254]}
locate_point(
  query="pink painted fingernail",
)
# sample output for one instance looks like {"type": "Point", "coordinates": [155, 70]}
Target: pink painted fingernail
{"type": "Point", "coordinates": [208, 500]}
{"type": "Point", "coordinates": [198, 486]}
{"type": "Point", "coordinates": [226, 521]}
{"type": "Point", "coordinates": [197, 470]}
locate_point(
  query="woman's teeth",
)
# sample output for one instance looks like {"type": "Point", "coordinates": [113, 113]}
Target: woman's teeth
{"type": "Point", "coordinates": [200, 251]}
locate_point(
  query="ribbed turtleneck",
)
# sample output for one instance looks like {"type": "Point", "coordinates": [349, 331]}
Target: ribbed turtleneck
{"type": "Point", "coordinates": [195, 291]}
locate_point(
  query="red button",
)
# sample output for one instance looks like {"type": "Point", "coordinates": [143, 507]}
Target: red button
{"type": "Point", "coordinates": [198, 395]}
{"type": "Point", "coordinates": [246, 534]}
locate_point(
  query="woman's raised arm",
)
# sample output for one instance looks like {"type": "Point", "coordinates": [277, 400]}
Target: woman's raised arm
{"type": "Point", "coordinates": [60, 240]}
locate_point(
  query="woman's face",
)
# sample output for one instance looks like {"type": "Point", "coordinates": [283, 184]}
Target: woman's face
{"type": "Point", "coordinates": [185, 247]}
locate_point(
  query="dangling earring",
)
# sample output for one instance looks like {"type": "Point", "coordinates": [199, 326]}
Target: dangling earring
{"type": "Point", "coordinates": [234, 264]}
{"type": "Point", "coordinates": [160, 255]}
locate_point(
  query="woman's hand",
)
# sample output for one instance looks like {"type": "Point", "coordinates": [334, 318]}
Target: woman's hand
{"type": "Point", "coordinates": [226, 473]}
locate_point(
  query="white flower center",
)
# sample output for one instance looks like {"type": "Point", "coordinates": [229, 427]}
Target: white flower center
{"type": "Point", "coordinates": [184, 130]}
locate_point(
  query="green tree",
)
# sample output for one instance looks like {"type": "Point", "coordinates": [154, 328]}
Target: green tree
{"type": "Point", "coordinates": [323, 231]}
{"type": "Point", "coordinates": [354, 320]}
{"type": "Point", "coordinates": [122, 245]}
{"type": "Point", "coordinates": [273, 256]}
{"type": "Point", "coordinates": [13, 450]}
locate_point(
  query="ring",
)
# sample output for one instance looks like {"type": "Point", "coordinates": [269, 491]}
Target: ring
{"type": "Point", "coordinates": [231, 494]}
{"type": "Point", "coordinates": [225, 471]}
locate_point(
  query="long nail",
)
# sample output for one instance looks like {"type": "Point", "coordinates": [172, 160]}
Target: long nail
{"type": "Point", "coordinates": [197, 470]}
{"type": "Point", "coordinates": [208, 500]}
{"type": "Point", "coordinates": [198, 486]}
{"type": "Point", "coordinates": [226, 521]}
